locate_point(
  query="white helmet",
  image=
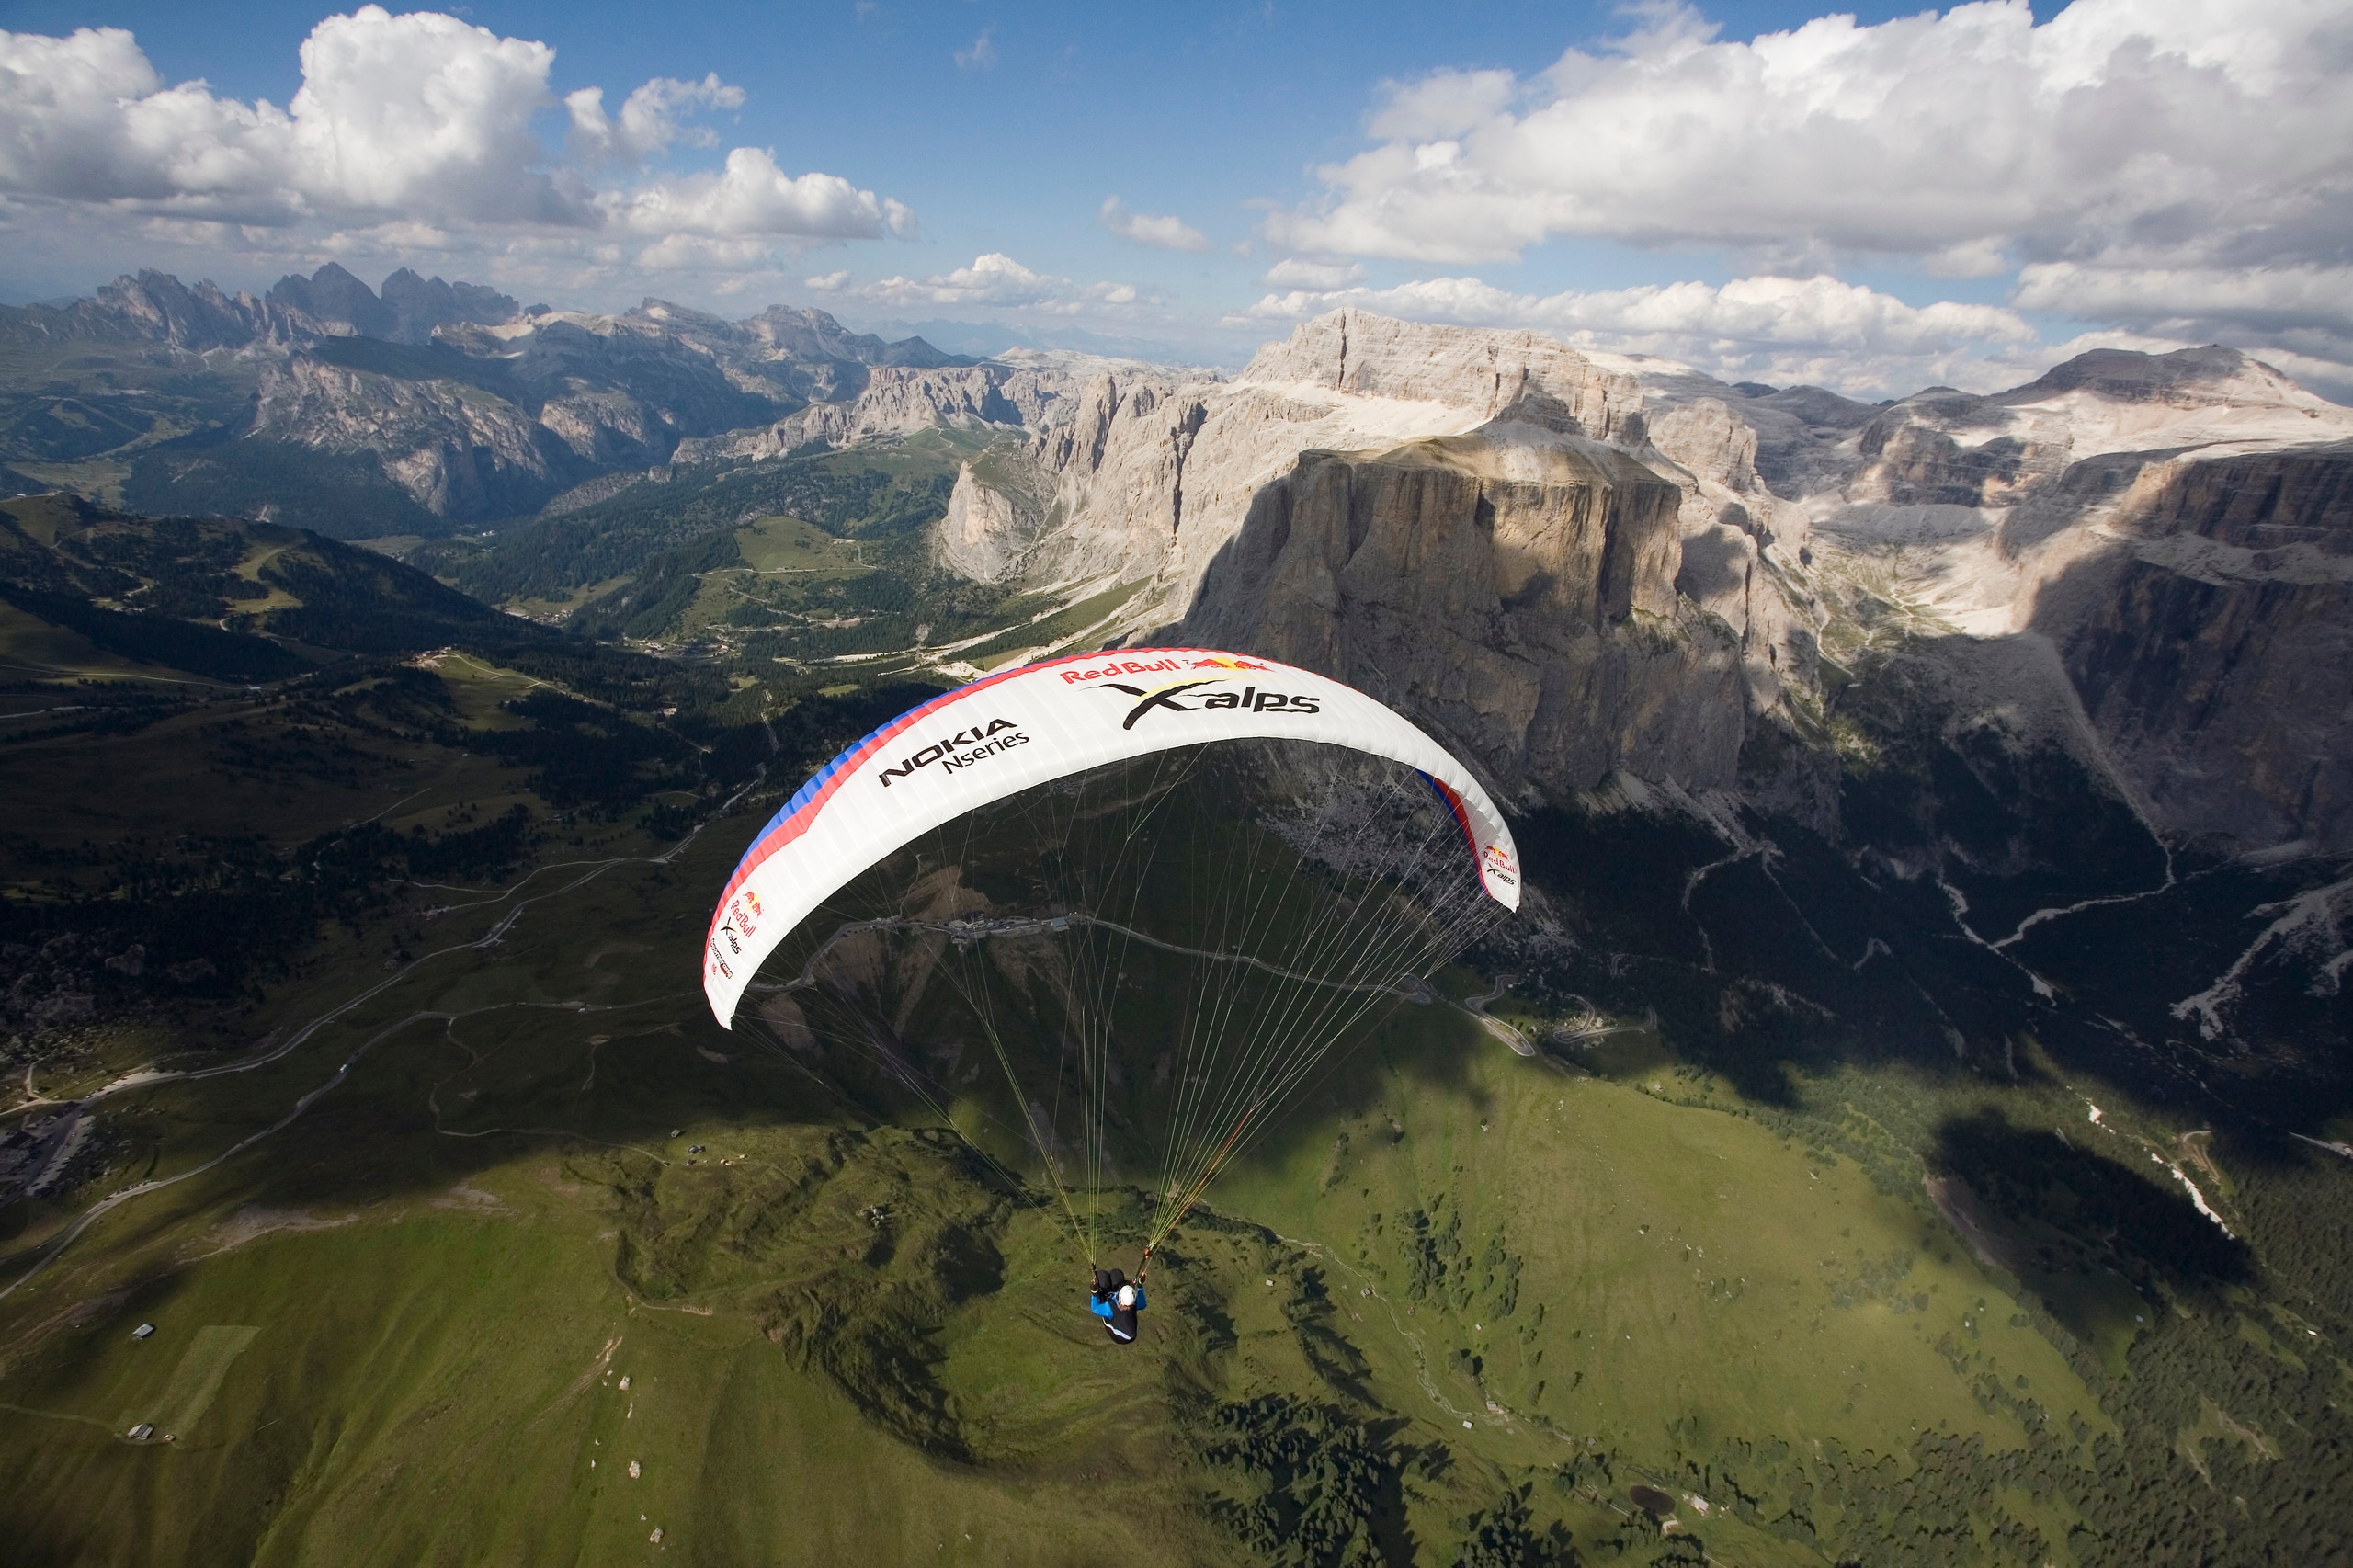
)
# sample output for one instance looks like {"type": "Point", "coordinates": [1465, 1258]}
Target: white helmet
{"type": "Point", "coordinates": [1127, 1295]}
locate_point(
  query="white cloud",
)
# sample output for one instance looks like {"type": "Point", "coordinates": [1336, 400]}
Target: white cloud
{"type": "Point", "coordinates": [649, 120]}
{"type": "Point", "coordinates": [1294, 273]}
{"type": "Point", "coordinates": [993, 280]}
{"type": "Point", "coordinates": [703, 253]}
{"type": "Point", "coordinates": [980, 55]}
{"type": "Point", "coordinates": [752, 196]}
{"type": "Point", "coordinates": [2159, 132]}
{"type": "Point", "coordinates": [1149, 228]}
{"type": "Point", "coordinates": [2181, 301]}
{"type": "Point", "coordinates": [1444, 103]}
{"type": "Point", "coordinates": [1778, 329]}
{"type": "Point", "coordinates": [420, 113]}
{"type": "Point", "coordinates": [419, 118]}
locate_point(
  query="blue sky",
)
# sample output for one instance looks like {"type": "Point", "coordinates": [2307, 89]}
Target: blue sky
{"type": "Point", "coordinates": [1481, 180]}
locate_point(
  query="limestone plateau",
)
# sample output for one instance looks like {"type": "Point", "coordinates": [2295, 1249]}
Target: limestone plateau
{"type": "Point", "coordinates": [1594, 571]}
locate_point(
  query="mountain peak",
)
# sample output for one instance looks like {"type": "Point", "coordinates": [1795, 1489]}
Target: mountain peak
{"type": "Point", "coordinates": [2212, 374]}
{"type": "Point", "coordinates": [333, 296]}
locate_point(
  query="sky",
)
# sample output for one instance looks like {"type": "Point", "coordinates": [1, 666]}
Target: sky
{"type": "Point", "coordinates": [1876, 200]}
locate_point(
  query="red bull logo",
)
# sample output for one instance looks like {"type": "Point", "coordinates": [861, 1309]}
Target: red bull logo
{"type": "Point", "coordinates": [1169, 665]}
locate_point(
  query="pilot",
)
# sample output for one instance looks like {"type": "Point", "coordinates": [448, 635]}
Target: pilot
{"type": "Point", "coordinates": [1117, 1302]}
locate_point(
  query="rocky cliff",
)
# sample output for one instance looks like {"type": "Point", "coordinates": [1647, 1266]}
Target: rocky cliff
{"type": "Point", "coordinates": [2102, 514]}
{"type": "Point", "coordinates": [2212, 641]}
{"type": "Point", "coordinates": [899, 401]}
{"type": "Point", "coordinates": [2173, 526]}
{"type": "Point", "coordinates": [1219, 497]}
{"type": "Point", "coordinates": [1513, 588]}
{"type": "Point", "coordinates": [456, 400]}
{"type": "Point", "coordinates": [157, 307]}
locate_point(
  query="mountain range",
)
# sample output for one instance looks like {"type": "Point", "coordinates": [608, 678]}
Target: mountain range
{"type": "Point", "coordinates": [1599, 577]}
{"type": "Point", "coordinates": [1580, 565]}
{"type": "Point", "coordinates": [2158, 542]}
{"type": "Point", "coordinates": [430, 404]}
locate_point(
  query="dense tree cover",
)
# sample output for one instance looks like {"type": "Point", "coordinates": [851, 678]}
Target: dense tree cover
{"type": "Point", "coordinates": [638, 683]}
{"type": "Point", "coordinates": [665, 583]}
{"type": "Point", "coordinates": [135, 560]}
{"type": "Point", "coordinates": [46, 427]}
{"type": "Point", "coordinates": [889, 609]}
{"type": "Point", "coordinates": [194, 593]}
{"type": "Point", "coordinates": [100, 930]}
{"type": "Point", "coordinates": [1504, 1535]}
{"type": "Point", "coordinates": [584, 754]}
{"type": "Point", "coordinates": [1301, 1485]}
{"type": "Point", "coordinates": [212, 918]}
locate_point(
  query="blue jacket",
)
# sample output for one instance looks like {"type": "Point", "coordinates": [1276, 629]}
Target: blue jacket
{"type": "Point", "coordinates": [1119, 1320]}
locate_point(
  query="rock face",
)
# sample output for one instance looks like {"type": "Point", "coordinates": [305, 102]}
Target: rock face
{"type": "Point", "coordinates": [2212, 644]}
{"type": "Point", "coordinates": [472, 407]}
{"type": "Point", "coordinates": [1582, 551]}
{"type": "Point", "coordinates": [332, 302]}
{"type": "Point", "coordinates": [900, 401]}
{"type": "Point", "coordinates": [1486, 372]}
{"type": "Point", "coordinates": [155, 306]}
{"type": "Point", "coordinates": [2176, 525]}
{"type": "Point", "coordinates": [1415, 510]}
{"type": "Point", "coordinates": [492, 421]}
{"type": "Point", "coordinates": [988, 534]}
{"type": "Point", "coordinates": [452, 454]}
{"type": "Point", "coordinates": [1513, 588]}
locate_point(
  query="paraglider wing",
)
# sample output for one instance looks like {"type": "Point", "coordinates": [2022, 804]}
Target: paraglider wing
{"type": "Point", "coordinates": [1031, 725]}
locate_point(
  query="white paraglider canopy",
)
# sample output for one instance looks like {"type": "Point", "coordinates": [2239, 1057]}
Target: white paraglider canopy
{"type": "Point", "coordinates": [1030, 726]}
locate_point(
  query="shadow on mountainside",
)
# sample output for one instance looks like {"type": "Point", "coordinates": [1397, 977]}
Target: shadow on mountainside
{"type": "Point", "coordinates": [2071, 1212]}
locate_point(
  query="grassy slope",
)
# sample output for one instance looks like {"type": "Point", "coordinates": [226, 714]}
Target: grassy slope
{"type": "Point", "coordinates": [427, 1382]}
{"type": "Point", "coordinates": [236, 767]}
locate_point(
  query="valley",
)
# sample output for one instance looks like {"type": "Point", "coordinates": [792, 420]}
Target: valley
{"type": "Point", "coordinates": [1926, 1146]}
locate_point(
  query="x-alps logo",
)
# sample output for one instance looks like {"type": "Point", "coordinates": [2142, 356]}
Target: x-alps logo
{"type": "Point", "coordinates": [1249, 699]}
{"type": "Point", "coordinates": [961, 750]}
{"type": "Point", "coordinates": [742, 923]}
{"type": "Point", "coordinates": [1179, 697]}
{"type": "Point", "coordinates": [744, 914]}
